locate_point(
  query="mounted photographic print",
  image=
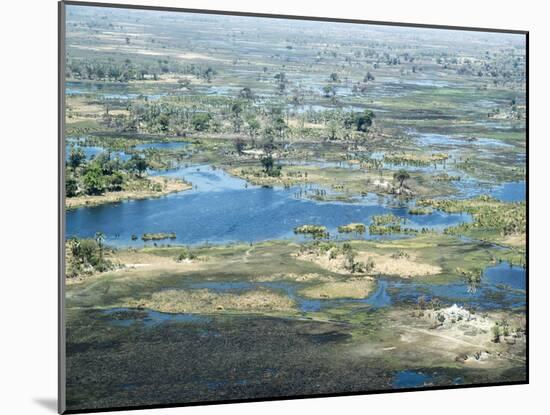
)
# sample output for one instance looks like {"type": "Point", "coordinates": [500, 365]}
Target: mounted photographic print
{"type": "Point", "coordinates": [260, 207]}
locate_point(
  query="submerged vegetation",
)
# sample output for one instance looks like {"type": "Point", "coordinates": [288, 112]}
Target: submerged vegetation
{"type": "Point", "coordinates": [357, 228]}
{"type": "Point", "coordinates": [315, 231]}
{"type": "Point", "coordinates": [158, 236]}
{"type": "Point", "coordinates": [415, 159]}
{"type": "Point", "coordinates": [493, 220]}
{"type": "Point", "coordinates": [420, 211]}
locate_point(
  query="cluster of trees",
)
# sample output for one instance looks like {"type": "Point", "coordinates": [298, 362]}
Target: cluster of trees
{"type": "Point", "coordinates": [330, 89]}
{"type": "Point", "coordinates": [349, 255]}
{"type": "Point", "coordinates": [165, 117]}
{"type": "Point", "coordinates": [472, 277]}
{"type": "Point", "coordinates": [100, 174]}
{"type": "Point", "coordinates": [185, 255]}
{"type": "Point", "coordinates": [110, 70]}
{"type": "Point", "coordinates": [281, 82]}
{"type": "Point", "coordinates": [178, 117]}
{"type": "Point", "coordinates": [391, 224]}
{"type": "Point", "coordinates": [354, 266]}
{"type": "Point", "coordinates": [342, 125]}
{"type": "Point", "coordinates": [501, 329]}
{"type": "Point", "coordinates": [345, 251]}
{"type": "Point", "coordinates": [125, 70]}
{"type": "Point", "coordinates": [357, 228]}
{"type": "Point", "coordinates": [86, 256]}
{"type": "Point", "coordinates": [499, 66]}
{"type": "Point", "coordinates": [504, 65]}
{"type": "Point", "coordinates": [314, 231]}
{"type": "Point", "coordinates": [233, 116]}
{"type": "Point", "coordinates": [241, 115]}
{"type": "Point", "coordinates": [269, 166]}
{"type": "Point", "coordinates": [401, 175]}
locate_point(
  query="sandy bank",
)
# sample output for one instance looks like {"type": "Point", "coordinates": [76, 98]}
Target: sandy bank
{"type": "Point", "coordinates": [168, 186]}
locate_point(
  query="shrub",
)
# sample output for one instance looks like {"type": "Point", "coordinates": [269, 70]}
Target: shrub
{"type": "Point", "coordinates": [85, 256]}
{"type": "Point", "coordinates": [315, 231]}
{"type": "Point", "coordinates": [158, 236]}
{"type": "Point", "coordinates": [357, 228]}
{"type": "Point", "coordinates": [185, 255]}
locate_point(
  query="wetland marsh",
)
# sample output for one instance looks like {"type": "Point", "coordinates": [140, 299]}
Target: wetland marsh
{"type": "Point", "coordinates": [263, 208]}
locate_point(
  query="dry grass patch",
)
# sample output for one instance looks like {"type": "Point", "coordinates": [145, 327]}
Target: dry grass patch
{"type": "Point", "coordinates": [516, 241]}
{"type": "Point", "coordinates": [404, 267]}
{"type": "Point", "coordinates": [294, 277]}
{"type": "Point", "coordinates": [205, 301]}
{"type": "Point", "coordinates": [352, 288]}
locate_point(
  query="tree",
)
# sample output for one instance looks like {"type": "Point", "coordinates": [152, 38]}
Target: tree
{"type": "Point", "coordinates": [364, 121]}
{"type": "Point", "coordinates": [86, 256]}
{"type": "Point", "coordinates": [281, 81]}
{"type": "Point", "coordinates": [269, 166]}
{"type": "Point", "coordinates": [333, 130]}
{"type": "Point", "coordinates": [184, 83]}
{"type": "Point", "coordinates": [496, 333]}
{"type": "Point", "coordinates": [269, 143]}
{"type": "Point", "coordinates": [368, 77]}
{"type": "Point", "coordinates": [76, 157]}
{"type": "Point", "coordinates": [334, 77]}
{"type": "Point", "coordinates": [239, 145]}
{"type": "Point", "coordinates": [246, 93]}
{"type": "Point", "coordinates": [163, 122]}
{"type": "Point", "coordinates": [401, 176]}
{"type": "Point", "coordinates": [137, 164]}
{"type": "Point", "coordinates": [329, 91]}
{"type": "Point", "coordinates": [71, 186]}
{"type": "Point", "coordinates": [208, 74]}
{"type": "Point", "coordinates": [201, 121]}
{"type": "Point", "coordinates": [116, 180]}
{"type": "Point", "coordinates": [279, 125]}
{"type": "Point", "coordinates": [236, 110]}
{"type": "Point", "coordinates": [100, 238]}
{"type": "Point", "coordinates": [252, 127]}
{"type": "Point", "coordinates": [74, 246]}
{"type": "Point", "coordinates": [350, 259]}
{"type": "Point", "coordinates": [93, 180]}
{"type": "Point", "coordinates": [267, 163]}
{"type": "Point", "coordinates": [105, 163]}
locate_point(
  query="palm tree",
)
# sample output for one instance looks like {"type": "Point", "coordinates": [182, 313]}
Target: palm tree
{"type": "Point", "coordinates": [401, 176]}
{"type": "Point", "coordinates": [74, 244]}
{"type": "Point", "coordinates": [333, 130]}
{"type": "Point", "coordinates": [100, 238]}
